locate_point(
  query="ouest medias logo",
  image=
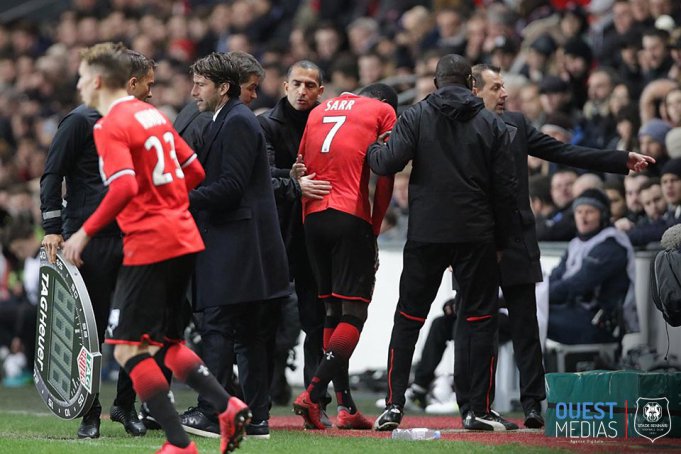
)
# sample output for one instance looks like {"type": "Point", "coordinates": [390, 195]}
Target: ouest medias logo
{"type": "Point", "coordinates": [652, 419]}
{"type": "Point", "coordinates": [587, 420]}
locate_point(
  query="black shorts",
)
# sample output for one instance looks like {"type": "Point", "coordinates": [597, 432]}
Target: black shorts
{"type": "Point", "coordinates": [150, 302]}
{"type": "Point", "coordinates": [343, 255]}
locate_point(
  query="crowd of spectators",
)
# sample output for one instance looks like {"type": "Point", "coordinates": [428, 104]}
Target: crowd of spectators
{"type": "Point", "coordinates": [599, 73]}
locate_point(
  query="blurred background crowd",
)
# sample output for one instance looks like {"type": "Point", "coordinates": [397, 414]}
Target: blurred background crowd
{"type": "Point", "coordinates": [599, 73]}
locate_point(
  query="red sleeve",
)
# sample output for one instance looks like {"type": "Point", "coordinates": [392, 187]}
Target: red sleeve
{"type": "Point", "coordinates": [121, 191]}
{"type": "Point", "coordinates": [382, 196]}
{"type": "Point", "coordinates": [384, 185]}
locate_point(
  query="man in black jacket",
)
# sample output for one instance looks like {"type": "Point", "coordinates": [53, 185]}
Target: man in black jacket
{"type": "Point", "coordinates": [73, 156]}
{"type": "Point", "coordinates": [461, 199]}
{"type": "Point", "coordinates": [283, 126]}
{"type": "Point", "coordinates": [520, 267]}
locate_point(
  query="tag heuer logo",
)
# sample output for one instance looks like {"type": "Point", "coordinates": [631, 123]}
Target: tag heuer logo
{"type": "Point", "coordinates": [652, 420]}
{"type": "Point", "coordinates": [85, 364]}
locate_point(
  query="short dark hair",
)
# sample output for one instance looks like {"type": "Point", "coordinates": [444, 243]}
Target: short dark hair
{"type": "Point", "coordinates": [649, 183]}
{"type": "Point", "coordinates": [539, 187]}
{"type": "Point", "coordinates": [18, 230]}
{"type": "Point", "coordinates": [140, 65]}
{"type": "Point", "coordinates": [382, 92]}
{"type": "Point", "coordinates": [477, 71]}
{"type": "Point", "coordinates": [247, 65]}
{"type": "Point", "coordinates": [658, 33]}
{"type": "Point", "coordinates": [111, 61]}
{"type": "Point", "coordinates": [220, 69]}
{"type": "Point", "coordinates": [306, 64]}
{"type": "Point", "coordinates": [453, 69]}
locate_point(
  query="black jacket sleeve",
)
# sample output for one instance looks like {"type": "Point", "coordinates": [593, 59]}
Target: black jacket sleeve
{"type": "Point", "coordinates": [391, 157]}
{"type": "Point", "coordinates": [286, 189]}
{"type": "Point", "coordinates": [69, 141]}
{"type": "Point", "coordinates": [238, 152]}
{"type": "Point", "coordinates": [546, 147]}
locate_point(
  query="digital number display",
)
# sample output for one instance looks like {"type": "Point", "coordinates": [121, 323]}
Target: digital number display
{"type": "Point", "coordinates": [62, 341]}
{"type": "Point", "coordinates": [67, 362]}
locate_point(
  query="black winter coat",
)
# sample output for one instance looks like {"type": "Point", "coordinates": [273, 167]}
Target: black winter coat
{"type": "Point", "coordinates": [234, 209]}
{"type": "Point", "coordinates": [462, 186]}
{"type": "Point", "coordinates": [283, 128]}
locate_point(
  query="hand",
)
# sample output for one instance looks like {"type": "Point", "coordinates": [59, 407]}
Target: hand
{"type": "Point", "coordinates": [624, 224]}
{"type": "Point", "coordinates": [638, 162]}
{"type": "Point", "coordinates": [500, 254]}
{"type": "Point", "coordinates": [314, 189]}
{"type": "Point", "coordinates": [298, 169]}
{"type": "Point", "coordinates": [74, 246]}
{"type": "Point", "coordinates": [52, 243]}
{"type": "Point", "coordinates": [384, 137]}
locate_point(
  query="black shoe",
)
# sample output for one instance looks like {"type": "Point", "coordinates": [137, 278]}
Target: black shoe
{"type": "Point", "coordinates": [390, 419]}
{"type": "Point", "coordinates": [89, 426]}
{"type": "Point", "coordinates": [483, 422]}
{"type": "Point", "coordinates": [128, 417]}
{"type": "Point", "coordinates": [258, 430]}
{"type": "Point", "coordinates": [506, 423]}
{"type": "Point", "coordinates": [416, 399]}
{"type": "Point", "coordinates": [534, 419]}
{"type": "Point", "coordinates": [149, 421]}
{"type": "Point", "coordinates": [196, 422]}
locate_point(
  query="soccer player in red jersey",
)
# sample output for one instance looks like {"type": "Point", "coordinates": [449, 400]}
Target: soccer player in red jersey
{"type": "Point", "coordinates": [149, 169]}
{"type": "Point", "coordinates": [340, 231]}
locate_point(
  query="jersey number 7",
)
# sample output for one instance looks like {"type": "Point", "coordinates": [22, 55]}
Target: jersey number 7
{"type": "Point", "coordinates": [338, 122]}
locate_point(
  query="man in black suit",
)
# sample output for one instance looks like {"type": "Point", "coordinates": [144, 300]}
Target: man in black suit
{"type": "Point", "coordinates": [520, 267]}
{"type": "Point", "coordinates": [244, 264]}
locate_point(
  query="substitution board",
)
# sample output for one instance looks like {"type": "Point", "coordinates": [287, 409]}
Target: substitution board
{"type": "Point", "coordinates": [67, 363]}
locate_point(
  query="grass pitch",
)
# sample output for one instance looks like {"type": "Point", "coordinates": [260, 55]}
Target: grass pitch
{"type": "Point", "coordinates": [26, 426]}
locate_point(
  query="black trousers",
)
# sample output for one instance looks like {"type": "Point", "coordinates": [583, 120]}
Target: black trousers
{"type": "Point", "coordinates": [312, 313]}
{"type": "Point", "coordinates": [102, 259]}
{"type": "Point", "coordinates": [521, 303]}
{"type": "Point", "coordinates": [475, 269]}
{"type": "Point", "coordinates": [237, 325]}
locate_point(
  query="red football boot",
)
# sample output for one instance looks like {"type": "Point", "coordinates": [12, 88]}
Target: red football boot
{"type": "Point", "coordinates": [233, 423]}
{"type": "Point", "coordinates": [167, 448]}
{"type": "Point", "coordinates": [310, 411]}
{"type": "Point", "coordinates": [347, 421]}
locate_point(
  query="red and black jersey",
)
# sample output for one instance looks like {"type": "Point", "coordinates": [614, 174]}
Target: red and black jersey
{"type": "Point", "coordinates": [135, 139]}
{"type": "Point", "coordinates": [334, 146]}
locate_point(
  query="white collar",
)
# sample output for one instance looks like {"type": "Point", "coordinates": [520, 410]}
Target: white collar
{"type": "Point", "coordinates": [215, 115]}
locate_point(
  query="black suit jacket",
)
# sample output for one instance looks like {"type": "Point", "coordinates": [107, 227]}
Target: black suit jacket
{"type": "Point", "coordinates": [190, 124]}
{"type": "Point", "coordinates": [234, 208]}
{"type": "Point", "coordinates": [520, 262]}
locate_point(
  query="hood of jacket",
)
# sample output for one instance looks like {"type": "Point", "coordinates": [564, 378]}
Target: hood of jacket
{"type": "Point", "coordinates": [456, 102]}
